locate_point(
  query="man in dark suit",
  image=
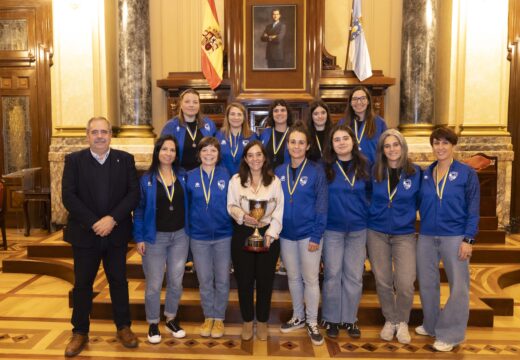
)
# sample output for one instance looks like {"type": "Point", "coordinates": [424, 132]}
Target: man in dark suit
{"type": "Point", "coordinates": [99, 189]}
{"type": "Point", "coordinates": [274, 35]}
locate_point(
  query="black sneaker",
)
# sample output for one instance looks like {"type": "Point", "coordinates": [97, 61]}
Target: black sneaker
{"type": "Point", "coordinates": [176, 330]}
{"type": "Point", "coordinates": [292, 324]}
{"type": "Point", "coordinates": [331, 328]}
{"type": "Point", "coordinates": [314, 333]}
{"type": "Point", "coordinates": [154, 335]}
{"type": "Point", "coordinates": [353, 330]}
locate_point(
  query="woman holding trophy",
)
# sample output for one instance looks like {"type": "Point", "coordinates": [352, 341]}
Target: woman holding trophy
{"type": "Point", "coordinates": [210, 234]}
{"type": "Point", "coordinates": [234, 136]}
{"type": "Point", "coordinates": [255, 201]}
{"type": "Point", "coordinates": [304, 220]}
{"type": "Point", "coordinates": [345, 237]}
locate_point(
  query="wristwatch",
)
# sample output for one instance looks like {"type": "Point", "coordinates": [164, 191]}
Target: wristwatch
{"type": "Point", "coordinates": [469, 240]}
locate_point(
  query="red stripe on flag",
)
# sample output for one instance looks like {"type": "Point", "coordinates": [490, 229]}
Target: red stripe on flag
{"type": "Point", "coordinates": [211, 4]}
{"type": "Point", "coordinates": [209, 72]}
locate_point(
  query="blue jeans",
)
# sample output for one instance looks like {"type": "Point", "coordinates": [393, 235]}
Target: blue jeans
{"type": "Point", "coordinates": [170, 249]}
{"type": "Point", "coordinates": [303, 269]}
{"type": "Point", "coordinates": [448, 325]}
{"type": "Point", "coordinates": [393, 263]}
{"type": "Point", "coordinates": [213, 263]}
{"type": "Point", "coordinates": [343, 259]}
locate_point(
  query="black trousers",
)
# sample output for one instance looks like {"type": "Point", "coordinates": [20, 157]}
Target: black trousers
{"type": "Point", "coordinates": [86, 266]}
{"type": "Point", "coordinates": [251, 268]}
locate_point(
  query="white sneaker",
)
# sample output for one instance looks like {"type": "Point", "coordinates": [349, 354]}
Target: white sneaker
{"type": "Point", "coordinates": [442, 346]}
{"type": "Point", "coordinates": [420, 330]}
{"type": "Point", "coordinates": [387, 332]}
{"type": "Point", "coordinates": [403, 335]}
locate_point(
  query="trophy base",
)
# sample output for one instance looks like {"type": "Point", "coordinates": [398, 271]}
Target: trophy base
{"type": "Point", "coordinates": [257, 249]}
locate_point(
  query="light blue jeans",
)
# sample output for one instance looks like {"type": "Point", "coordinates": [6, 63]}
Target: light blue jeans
{"type": "Point", "coordinates": [213, 263]}
{"type": "Point", "coordinates": [449, 324]}
{"type": "Point", "coordinates": [343, 259]}
{"type": "Point", "coordinates": [392, 258]}
{"type": "Point", "coordinates": [170, 250]}
{"type": "Point", "coordinates": [303, 268]}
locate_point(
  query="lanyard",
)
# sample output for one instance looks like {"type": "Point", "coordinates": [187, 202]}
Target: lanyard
{"type": "Point", "coordinates": [192, 135]}
{"type": "Point", "coordinates": [318, 142]}
{"type": "Point", "coordinates": [440, 191]}
{"type": "Point", "coordinates": [276, 148]}
{"type": "Point", "coordinates": [293, 189]}
{"type": "Point", "coordinates": [170, 195]}
{"type": "Point", "coordinates": [207, 194]}
{"type": "Point", "coordinates": [390, 194]}
{"type": "Point", "coordinates": [360, 137]}
{"type": "Point", "coordinates": [351, 182]}
{"type": "Point", "coordinates": [233, 153]}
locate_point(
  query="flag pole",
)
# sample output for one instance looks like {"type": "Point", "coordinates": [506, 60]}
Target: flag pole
{"type": "Point", "coordinates": [349, 35]}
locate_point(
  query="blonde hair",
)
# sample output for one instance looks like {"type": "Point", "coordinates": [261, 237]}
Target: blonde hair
{"type": "Point", "coordinates": [226, 128]}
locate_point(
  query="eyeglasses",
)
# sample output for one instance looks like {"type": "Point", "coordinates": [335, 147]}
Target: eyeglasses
{"type": "Point", "coordinates": [361, 99]}
{"type": "Point", "coordinates": [97, 132]}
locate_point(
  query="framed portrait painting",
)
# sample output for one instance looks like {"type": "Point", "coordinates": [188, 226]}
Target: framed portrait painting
{"type": "Point", "coordinates": [274, 37]}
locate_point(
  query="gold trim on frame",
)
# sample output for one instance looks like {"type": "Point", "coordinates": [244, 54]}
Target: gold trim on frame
{"type": "Point", "coordinates": [135, 131]}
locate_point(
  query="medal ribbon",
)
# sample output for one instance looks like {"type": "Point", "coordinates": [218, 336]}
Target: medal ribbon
{"type": "Point", "coordinates": [345, 175]}
{"type": "Point", "coordinates": [391, 194]}
{"type": "Point", "coordinates": [318, 142]}
{"type": "Point", "coordinates": [440, 192]}
{"type": "Point", "coordinates": [207, 194]}
{"type": "Point", "coordinates": [291, 191]}
{"type": "Point", "coordinates": [360, 137]}
{"type": "Point", "coordinates": [276, 148]}
{"type": "Point", "coordinates": [233, 153]}
{"type": "Point", "coordinates": [170, 195]}
{"type": "Point", "coordinates": [192, 136]}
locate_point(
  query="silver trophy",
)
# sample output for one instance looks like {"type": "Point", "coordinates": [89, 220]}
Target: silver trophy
{"type": "Point", "coordinates": [257, 210]}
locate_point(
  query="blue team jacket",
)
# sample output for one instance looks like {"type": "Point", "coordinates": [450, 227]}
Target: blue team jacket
{"type": "Point", "coordinates": [265, 136]}
{"type": "Point", "coordinates": [368, 145]}
{"type": "Point", "coordinates": [458, 212]}
{"type": "Point", "coordinates": [173, 127]}
{"type": "Point", "coordinates": [144, 214]}
{"type": "Point", "coordinates": [399, 218]}
{"type": "Point", "coordinates": [212, 222]}
{"type": "Point", "coordinates": [348, 206]}
{"type": "Point", "coordinates": [306, 216]}
{"type": "Point", "coordinates": [227, 159]}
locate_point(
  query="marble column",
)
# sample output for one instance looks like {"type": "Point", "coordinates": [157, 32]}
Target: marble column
{"type": "Point", "coordinates": [418, 49]}
{"type": "Point", "coordinates": [135, 85]}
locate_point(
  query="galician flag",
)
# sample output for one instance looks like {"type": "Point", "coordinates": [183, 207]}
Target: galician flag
{"type": "Point", "coordinates": [212, 48]}
{"type": "Point", "coordinates": [359, 58]}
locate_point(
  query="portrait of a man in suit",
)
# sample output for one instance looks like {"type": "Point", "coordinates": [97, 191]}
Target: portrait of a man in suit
{"type": "Point", "coordinates": [276, 48]}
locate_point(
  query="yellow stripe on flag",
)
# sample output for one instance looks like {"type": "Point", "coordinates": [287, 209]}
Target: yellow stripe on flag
{"type": "Point", "coordinates": [212, 47]}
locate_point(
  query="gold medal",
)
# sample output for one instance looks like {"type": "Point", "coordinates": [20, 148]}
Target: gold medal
{"type": "Point", "coordinates": [276, 148]}
{"type": "Point", "coordinates": [360, 137]}
{"type": "Point", "coordinates": [440, 191]}
{"type": "Point", "coordinates": [167, 189]}
{"type": "Point", "coordinates": [293, 189]}
{"type": "Point", "coordinates": [193, 135]}
{"type": "Point", "coordinates": [207, 194]}
{"type": "Point", "coordinates": [351, 182]}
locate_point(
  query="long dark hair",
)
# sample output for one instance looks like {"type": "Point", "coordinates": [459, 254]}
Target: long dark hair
{"type": "Point", "coordinates": [350, 114]}
{"type": "Point", "coordinates": [359, 161]}
{"type": "Point", "coordinates": [244, 172]}
{"type": "Point", "coordinates": [275, 103]}
{"type": "Point", "coordinates": [154, 166]}
{"type": "Point", "coordinates": [381, 164]}
{"type": "Point", "coordinates": [310, 123]}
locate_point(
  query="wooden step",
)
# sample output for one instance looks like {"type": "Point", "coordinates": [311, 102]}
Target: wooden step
{"type": "Point", "coordinates": [491, 237]}
{"type": "Point", "coordinates": [281, 307]}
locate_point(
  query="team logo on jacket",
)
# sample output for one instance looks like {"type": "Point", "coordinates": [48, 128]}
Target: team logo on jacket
{"type": "Point", "coordinates": [149, 183]}
{"type": "Point", "coordinates": [303, 180]}
{"type": "Point", "coordinates": [197, 185]}
{"type": "Point", "coordinates": [206, 127]}
{"type": "Point", "coordinates": [282, 178]}
{"type": "Point", "coordinates": [223, 142]}
{"type": "Point", "coordinates": [407, 184]}
{"type": "Point", "coordinates": [453, 175]}
{"type": "Point", "coordinates": [425, 177]}
{"type": "Point", "coordinates": [245, 142]}
{"type": "Point", "coordinates": [221, 184]}
{"type": "Point", "coordinates": [178, 128]}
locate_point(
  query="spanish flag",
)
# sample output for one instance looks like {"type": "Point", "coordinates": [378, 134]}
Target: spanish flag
{"type": "Point", "coordinates": [212, 46]}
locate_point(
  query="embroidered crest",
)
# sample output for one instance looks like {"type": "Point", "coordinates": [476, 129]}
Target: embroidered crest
{"type": "Point", "coordinates": [245, 142]}
{"type": "Point", "coordinates": [453, 175]}
{"type": "Point", "coordinates": [282, 178]}
{"type": "Point", "coordinates": [223, 142]}
{"type": "Point", "coordinates": [197, 185]}
{"type": "Point", "coordinates": [178, 128]}
{"type": "Point", "coordinates": [407, 184]}
{"type": "Point", "coordinates": [425, 177]}
{"type": "Point", "coordinates": [303, 180]}
{"type": "Point", "coordinates": [149, 183]}
{"type": "Point", "coordinates": [221, 184]}
{"type": "Point", "coordinates": [206, 127]}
